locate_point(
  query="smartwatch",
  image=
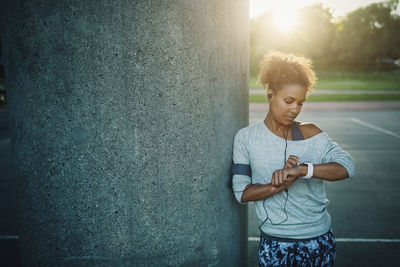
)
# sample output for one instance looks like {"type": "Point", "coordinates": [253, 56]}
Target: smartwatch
{"type": "Point", "coordinates": [310, 170]}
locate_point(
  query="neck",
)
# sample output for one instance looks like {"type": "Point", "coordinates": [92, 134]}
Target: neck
{"type": "Point", "coordinates": [276, 127]}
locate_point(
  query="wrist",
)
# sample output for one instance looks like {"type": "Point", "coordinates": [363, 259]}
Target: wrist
{"type": "Point", "coordinates": [303, 168]}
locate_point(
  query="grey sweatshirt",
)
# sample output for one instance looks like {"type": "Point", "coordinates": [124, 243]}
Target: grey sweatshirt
{"type": "Point", "coordinates": [306, 206]}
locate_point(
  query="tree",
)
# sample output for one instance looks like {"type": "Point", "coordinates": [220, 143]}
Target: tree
{"type": "Point", "coordinates": [362, 38]}
{"type": "Point", "coordinates": [368, 34]}
{"type": "Point", "coordinates": [312, 37]}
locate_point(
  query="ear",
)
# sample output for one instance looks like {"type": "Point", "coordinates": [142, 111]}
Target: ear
{"type": "Point", "coordinates": [270, 93]}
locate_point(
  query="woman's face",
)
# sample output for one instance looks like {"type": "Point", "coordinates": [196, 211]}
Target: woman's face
{"type": "Point", "coordinates": [286, 103]}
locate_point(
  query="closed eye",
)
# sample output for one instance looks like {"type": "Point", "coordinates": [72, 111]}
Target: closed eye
{"type": "Point", "coordinates": [288, 102]}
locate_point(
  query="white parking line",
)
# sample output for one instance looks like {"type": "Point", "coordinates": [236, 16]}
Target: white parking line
{"type": "Point", "coordinates": [257, 239]}
{"type": "Point", "coordinates": [348, 240]}
{"type": "Point", "coordinates": [372, 240]}
{"type": "Point", "coordinates": [379, 129]}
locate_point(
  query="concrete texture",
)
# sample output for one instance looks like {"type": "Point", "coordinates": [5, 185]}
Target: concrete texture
{"type": "Point", "coordinates": [360, 208]}
{"type": "Point", "coordinates": [122, 117]}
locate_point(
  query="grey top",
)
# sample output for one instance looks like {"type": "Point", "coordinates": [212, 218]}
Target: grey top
{"type": "Point", "coordinates": [306, 211]}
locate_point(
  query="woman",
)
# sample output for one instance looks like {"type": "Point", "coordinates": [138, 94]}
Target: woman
{"type": "Point", "coordinates": [281, 164]}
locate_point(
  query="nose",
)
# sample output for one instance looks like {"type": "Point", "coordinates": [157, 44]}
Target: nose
{"type": "Point", "coordinates": [295, 109]}
{"type": "Point", "coordinates": [295, 106]}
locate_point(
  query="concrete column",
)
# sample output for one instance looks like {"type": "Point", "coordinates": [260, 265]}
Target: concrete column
{"type": "Point", "coordinates": [123, 115]}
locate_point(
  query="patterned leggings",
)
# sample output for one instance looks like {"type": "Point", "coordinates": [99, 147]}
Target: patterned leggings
{"type": "Point", "coordinates": [318, 251]}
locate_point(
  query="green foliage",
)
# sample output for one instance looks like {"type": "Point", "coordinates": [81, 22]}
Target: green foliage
{"type": "Point", "coordinates": [253, 84]}
{"type": "Point", "coordinates": [366, 39]}
{"type": "Point", "coordinates": [369, 34]}
{"type": "Point", "coordinates": [375, 81]}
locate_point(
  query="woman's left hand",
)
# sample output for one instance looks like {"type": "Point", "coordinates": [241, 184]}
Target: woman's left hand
{"type": "Point", "coordinates": [291, 161]}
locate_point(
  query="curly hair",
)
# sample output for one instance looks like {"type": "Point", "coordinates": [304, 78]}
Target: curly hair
{"type": "Point", "coordinates": [278, 69]}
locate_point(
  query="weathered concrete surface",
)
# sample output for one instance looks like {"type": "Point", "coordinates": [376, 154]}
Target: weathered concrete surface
{"type": "Point", "coordinates": [122, 117]}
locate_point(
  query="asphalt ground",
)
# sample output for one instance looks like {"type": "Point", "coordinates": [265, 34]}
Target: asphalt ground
{"type": "Point", "coordinates": [365, 210]}
{"type": "Point", "coordinates": [341, 92]}
{"type": "Point", "coordinates": [336, 106]}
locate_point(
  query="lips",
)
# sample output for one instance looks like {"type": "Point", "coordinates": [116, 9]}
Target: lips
{"type": "Point", "coordinates": [291, 118]}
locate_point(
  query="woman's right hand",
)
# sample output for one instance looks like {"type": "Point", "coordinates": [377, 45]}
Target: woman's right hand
{"type": "Point", "coordinates": [291, 162]}
{"type": "Point", "coordinates": [278, 182]}
{"type": "Point", "coordinates": [255, 192]}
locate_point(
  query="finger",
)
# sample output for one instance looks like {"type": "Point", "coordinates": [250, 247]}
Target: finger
{"type": "Point", "coordinates": [273, 179]}
{"type": "Point", "coordinates": [291, 163]}
{"type": "Point", "coordinates": [280, 177]}
{"type": "Point", "coordinates": [288, 163]}
{"type": "Point", "coordinates": [284, 176]}
{"type": "Point", "coordinates": [294, 159]}
{"type": "Point", "coordinates": [277, 183]}
{"type": "Point", "coordinates": [276, 178]}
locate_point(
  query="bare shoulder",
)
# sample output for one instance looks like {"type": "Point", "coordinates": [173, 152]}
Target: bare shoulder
{"type": "Point", "coordinates": [309, 129]}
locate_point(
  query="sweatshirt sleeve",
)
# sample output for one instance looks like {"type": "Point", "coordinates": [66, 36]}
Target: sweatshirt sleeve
{"type": "Point", "coordinates": [240, 156]}
{"type": "Point", "coordinates": [334, 153]}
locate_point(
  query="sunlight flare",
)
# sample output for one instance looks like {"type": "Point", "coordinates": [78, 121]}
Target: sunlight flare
{"type": "Point", "coordinates": [285, 19]}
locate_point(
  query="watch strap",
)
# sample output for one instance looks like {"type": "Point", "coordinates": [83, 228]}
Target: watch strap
{"type": "Point", "coordinates": [310, 170]}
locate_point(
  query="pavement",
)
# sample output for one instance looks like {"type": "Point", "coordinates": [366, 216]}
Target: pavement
{"type": "Point", "coordinates": [8, 217]}
{"type": "Point", "coordinates": [364, 210]}
{"type": "Point", "coordinates": [336, 106]}
{"type": "Point", "coordinates": [333, 92]}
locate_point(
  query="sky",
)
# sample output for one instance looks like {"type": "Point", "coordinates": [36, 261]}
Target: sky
{"type": "Point", "coordinates": [338, 7]}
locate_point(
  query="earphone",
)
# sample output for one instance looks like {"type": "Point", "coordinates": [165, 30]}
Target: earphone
{"type": "Point", "coordinates": [287, 194]}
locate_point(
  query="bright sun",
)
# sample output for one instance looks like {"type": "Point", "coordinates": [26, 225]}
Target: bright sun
{"type": "Point", "coordinates": [285, 19]}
